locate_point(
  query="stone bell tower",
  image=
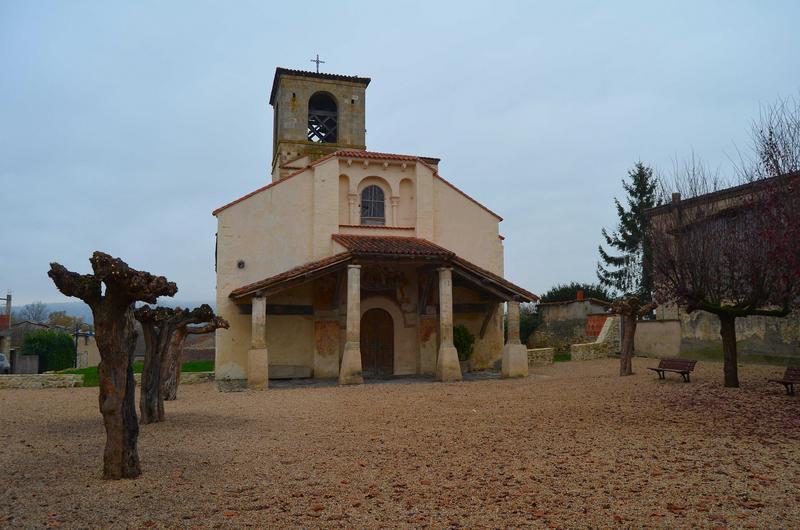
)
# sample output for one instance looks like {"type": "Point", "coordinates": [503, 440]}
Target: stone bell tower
{"type": "Point", "coordinates": [315, 115]}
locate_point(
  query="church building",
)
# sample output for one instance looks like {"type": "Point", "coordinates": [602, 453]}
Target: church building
{"type": "Point", "coordinates": [354, 264]}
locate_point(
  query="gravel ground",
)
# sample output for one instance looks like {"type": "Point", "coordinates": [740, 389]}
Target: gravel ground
{"type": "Point", "coordinates": [572, 446]}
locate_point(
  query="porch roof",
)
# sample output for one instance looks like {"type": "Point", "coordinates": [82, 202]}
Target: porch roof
{"type": "Point", "coordinates": [385, 247]}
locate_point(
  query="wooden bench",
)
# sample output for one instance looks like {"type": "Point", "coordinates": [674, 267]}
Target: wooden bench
{"type": "Point", "coordinates": [790, 378]}
{"type": "Point", "coordinates": [679, 366]}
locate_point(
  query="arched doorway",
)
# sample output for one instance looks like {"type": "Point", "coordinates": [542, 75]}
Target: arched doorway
{"type": "Point", "coordinates": [377, 343]}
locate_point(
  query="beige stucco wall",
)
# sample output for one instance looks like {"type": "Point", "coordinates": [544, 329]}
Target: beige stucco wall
{"type": "Point", "coordinates": [658, 338]}
{"type": "Point", "coordinates": [758, 338]}
{"type": "Point", "coordinates": [458, 224]}
{"type": "Point", "coordinates": [88, 354]}
{"type": "Point", "coordinates": [271, 234]}
{"type": "Point", "coordinates": [291, 222]}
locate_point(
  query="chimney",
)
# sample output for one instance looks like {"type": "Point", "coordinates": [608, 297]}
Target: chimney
{"type": "Point", "coordinates": [676, 197]}
{"type": "Point", "coordinates": [579, 295]}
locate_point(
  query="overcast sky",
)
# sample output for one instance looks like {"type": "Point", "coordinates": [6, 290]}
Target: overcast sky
{"type": "Point", "coordinates": [123, 125]}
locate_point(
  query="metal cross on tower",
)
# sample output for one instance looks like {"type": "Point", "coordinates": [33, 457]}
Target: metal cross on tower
{"type": "Point", "coordinates": [318, 61]}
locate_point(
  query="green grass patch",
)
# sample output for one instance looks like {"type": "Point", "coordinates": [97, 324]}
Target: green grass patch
{"type": "Point", "coordinates": [91, 377]}
{"type": "Point", "coordinates": [562, 357]}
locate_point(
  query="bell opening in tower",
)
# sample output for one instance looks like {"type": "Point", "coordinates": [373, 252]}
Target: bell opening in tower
{"type": "Point", "coordinates": [322, 118]}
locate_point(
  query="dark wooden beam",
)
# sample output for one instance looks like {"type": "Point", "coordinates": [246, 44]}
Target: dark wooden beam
{"type": "Point", "coordinates": [489, 315]}
{"type": "Point", "coordinates": [296, 281]}
{"type": "Point", "coordinates": [470, 308]}
{"type": "Point", "coordinates": [484, 284]}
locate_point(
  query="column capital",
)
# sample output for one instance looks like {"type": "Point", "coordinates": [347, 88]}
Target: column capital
{"type": "Point", "coordinates": [395, 200]}
{"type": "Point", "coordinates": [442, 269]}
{"type": "Point", "coordinates": [353, 266]}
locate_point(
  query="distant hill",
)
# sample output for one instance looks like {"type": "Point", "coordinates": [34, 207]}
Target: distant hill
{"type": "Point", "coordinates": [79, 309]}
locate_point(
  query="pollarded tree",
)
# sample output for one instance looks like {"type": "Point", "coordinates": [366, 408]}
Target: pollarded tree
{"type": "Point", "coordinates": [733, 254]}
{"type": "Point", "coordinates": [630, 309]}
{"type": "Point", "coordinates": [737, 255]}
{"type": "Point", "coordinates": [155, 332]}
{"type": "Point", "coordinates": [111, 292]}
{"type": "Point", "coordinates": [164, 331]}
{"type": "Point", "coordinates": [628, 271]}
{"type": "Point", "coordinates": [197, 321]}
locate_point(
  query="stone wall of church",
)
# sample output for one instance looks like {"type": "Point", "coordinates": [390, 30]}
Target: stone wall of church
{"type": "Point", "coordinates": [291, 107]}
{"type": "Point", "coordinates": [291, 118]}
{"type": "Point", "coordinates": [267, 220]}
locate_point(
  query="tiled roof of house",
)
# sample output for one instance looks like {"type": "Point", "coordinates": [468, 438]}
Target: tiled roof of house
{"type": "Point", "coordinates": [315, 75]}
{"type": "Point", "coordinates": [377, 246]}
{"type": "Point", "coordinates": [391, 245]}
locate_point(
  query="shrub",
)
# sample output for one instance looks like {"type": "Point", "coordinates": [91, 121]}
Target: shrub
{"type": "Point", "coordinates": [55, 349]}
{"type": "Point", "coordinates": [463, 341]}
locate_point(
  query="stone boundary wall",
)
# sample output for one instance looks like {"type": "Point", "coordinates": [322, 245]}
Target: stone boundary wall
{"type": "Point", "coordinates": [606, 344]}
{"type": "Point", "coordinates": [540, 356]}
{"type": "Point", "coordinates": [590, 350]}
{"type": "Point", "coordinates": [187, 378]}
{"type": "Point", "coordinates": [41, 381]}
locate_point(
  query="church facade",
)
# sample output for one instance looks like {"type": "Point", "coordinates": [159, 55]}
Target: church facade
{"type": "Point", "coordinates": [353, 263]}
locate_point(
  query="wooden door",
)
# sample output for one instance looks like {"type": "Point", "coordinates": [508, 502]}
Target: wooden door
{"type": "Point", "coordinates": [377, 343]}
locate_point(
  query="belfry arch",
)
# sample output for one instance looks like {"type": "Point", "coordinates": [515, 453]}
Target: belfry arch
{"type": "Point", "coordinates": [323, 118]}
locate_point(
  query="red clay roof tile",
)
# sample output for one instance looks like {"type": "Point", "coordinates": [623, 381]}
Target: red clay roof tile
{"type": "Point", "coordinates": [391, 245]}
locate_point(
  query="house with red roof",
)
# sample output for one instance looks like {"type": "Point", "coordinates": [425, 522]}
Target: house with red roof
{"type": "Point", "coordinates": [353, 264]}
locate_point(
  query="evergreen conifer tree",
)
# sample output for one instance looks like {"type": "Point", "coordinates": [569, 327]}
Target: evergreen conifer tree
{"type": "Point", "coordinates": [625, 266]}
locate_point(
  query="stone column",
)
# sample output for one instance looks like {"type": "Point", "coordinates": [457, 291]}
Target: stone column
{"type": "Point", "coordinates": [352, 200]}
{"type": "Point", "coordinates": [447, 367]}
{"type": "Point", "coordinates": [395, 201]}
{"type": "Point", "coordinates": [257, 358]}
{"type": "Point", "coordinates": [515, 354]}
{"type": "Point", "coordinates": [350, 370]}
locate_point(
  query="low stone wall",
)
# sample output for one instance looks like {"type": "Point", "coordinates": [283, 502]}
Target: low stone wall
{"type": "Point", "coordinates": [606, 344]}
{"type": "Point", "coordinates": [41, 380]}
{"type": "Point", "coordinates": [540, 356]}
{"type": "Point", "coordinates": [187, 378]}
{"type": "Point", "coordinates": [590, 350]}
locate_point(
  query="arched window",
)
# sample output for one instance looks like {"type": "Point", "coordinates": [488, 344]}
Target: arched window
{"type": "Point", "coordinates": [322, 118]}
{"type": "Point", "coordinates": [373, 206]}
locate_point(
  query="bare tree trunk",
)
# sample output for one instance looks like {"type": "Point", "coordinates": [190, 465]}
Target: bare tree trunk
{"type": "Point", "coordinates": [728, 333]}
{"type": "Point", "coordinates": [626, 348]}
{"type": "Point", "coordinates": [171, 364]}
{"type": "Point", "coordinates": [151, 406]}
{"type": "Point", "coordinates": [116, 338]}
{"type": "Point", "coordinates": [115, 334]}
{"type": "Point", "coordinates": [629, 309]}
